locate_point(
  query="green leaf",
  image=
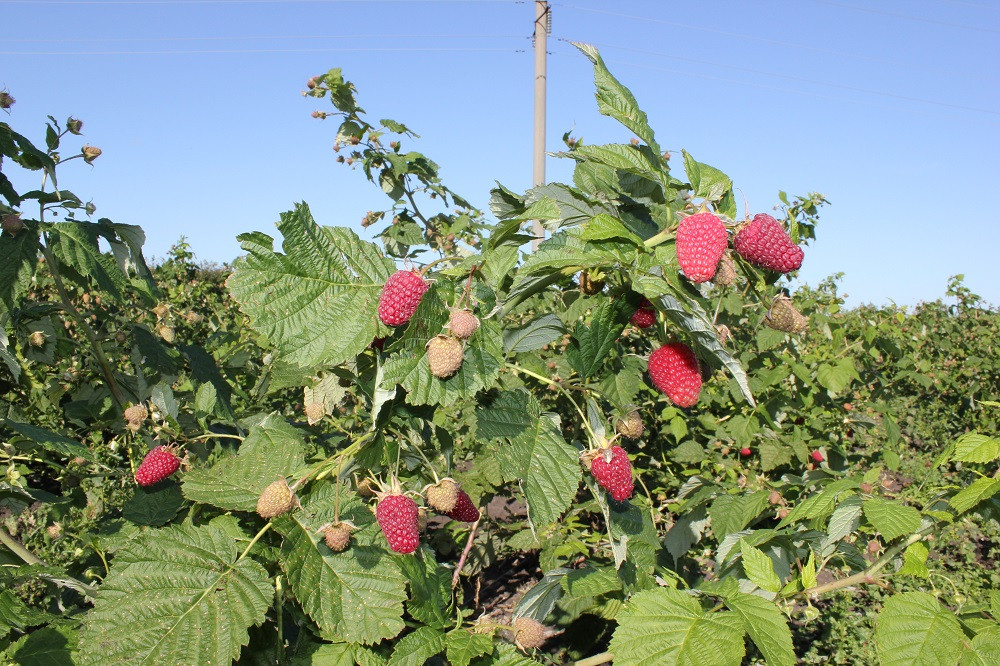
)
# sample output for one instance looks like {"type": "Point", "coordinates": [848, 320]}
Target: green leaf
{"type": "Point", "coordinates": [731, 513]}
{"type": "Point", "coordinates": [463, 645]}
{"type": "Point", "coordinates": [591, 582]}
{"type": "Point", "coordinates": [809, 572]}
{"type": "Point", "coordinates": [973, 447]}
{"type": "Point", "coordinates": [891, 519]}
{"type": "Point", "coordinates": [50, 441]}
{"type": "Point", "coordinates": [541, 598]}
{"type": "Point", "coordinates": [409, 366]}
{"type": "Point", "coordinates": [617, 101]}
{"type": "Point", "coordinates": [317, 302]}
{"type": "Point", "coordinates": [430, 590]}
{"type": "Point", "coordinates": [271, 450]}
{"type": "Point", "coordinates": [623, 157]}
{"type": "Point", "coordinates": [844, 521]}
{"type": "Point", "coordinates": [985, 648]}
{"type": "Point", "coordinates": [416, 648]}
{"type": "Point", "coordinates": [195, 599]}
{"type": "Point", "coordinates": [14, 614]}
{"type": "Point", "coordinates": [75, 244]}
{"type": "Point", "coordinates": [18, 262]}
{"type": "Point", "coordinates": [767, 626]}
{"type": "Point", "coordinates": [604, 226]}
{"type": "Point", "coordinates": [835, 378]}
{"type": "Point", "coordinates": [534, 335]}
{"type": "Point", "coordinates": [979, 490]}
{"type": "Point", "coordinates": [535, 454]}
{"type": "Point", "coordinates": [153, 506]}
{"type": "Point", "coordinates": [354, 596]}
{"type": "Point", "coordinates": [708, 182]}
{"type": "Point", "coordinates": [667, 627]}
{"type": "Point", "coordinates": [48, 646]}
{"type": "Point", "coordinates": [505, 654]}
{"type": "Point", "coordinates": [913, 629]}
{"type": "Point", "coordinates": [759, 568]}
{"type": "Point", "coordinates": [915, 561]}
{"type": "Point", "coordinates": [590, 344]}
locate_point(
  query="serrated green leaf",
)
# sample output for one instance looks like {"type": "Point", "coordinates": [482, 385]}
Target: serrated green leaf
{"type": "Point", "coordinates": [767, 626]}
{"type": "Point", "coordinates": [915, 561]}
{"type": "Point", "coordinates": [605, 226]}
{"type": "Point", "coordinates": [891, 519]}
{"type": "Point", "coordinates": [540, 599]}
{"type": "Point", "coordinates": [809, 572]}
{"type": "Point", "coordinates": [913, 629]}
{"type": "Point", "coordinates": [48, 646]}
{"type": "Point", "coordinates": [153, 506]}
{"type": "Point", "coordinates": [195, 599]}
{"type": "Point", "coordinates": [844, 521]}
{"type": "Point", "coordinates": [623, 157]}
{"type": "Point", "coordinates": [534, 335]}
{"type": "Point", "coordinates": [272, 449]}
{"type": "Point", "coordinates": [985, 648]}
{"type": "Point", "coordinates": [18, 263]}
{"type": "Point", "coordinates": [759, 568]}
{"type": "Point", "coordinates": [591, 343]}
{"type": "Point", "coordinates": [430, 590]}
{"type": "Point", "coordinates": [355, 596]}
{"type": "Point", "coordinates": [707, 182]}
{"type": "Point", "coordinates": [505, 654]}
{"type": "Point", "coordinates": [75, 244]}
{"type": "Point", "coordinates": [317, 302]}
{"type": "Point", "coordinates": [463, 645]}
{"type": "Point", "coordinates": [591, 582]}
{"type": "Point", "coordinates": [14, 614]}
{"type": "Point", "coordinates": [621, 386]}
{"type": "Point", "coordinates": [979, 490]}
{"type": "Point", "coordinates": [50, 441]}
{"type": "Point", "coordinates": [973, 447]}
{"type": "Point", "coordinates": [416, 648]}
{"type": "Point", "coordinates": [731, 513]}
{"type": "Point", "coordinates": [836, 377]}
{"type": "Point", "coordinates": [668, 627]}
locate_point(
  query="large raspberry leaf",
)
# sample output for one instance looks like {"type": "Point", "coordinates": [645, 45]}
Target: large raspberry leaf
{"type": "Point", "coordinates": [354, 596]}
{"type": "Point", "coordinates": [317, 302]}
{"type": "Point", "coordinates": [767, 626]}
{"type": "Point", "coordinates": [271, 449]}
{"type": "Point", "coordinates": [914, 628]}
{"type": "Point", "coordinates": [535, 453]}
{"type": "Point", "coordinates": [179, 595]}
{"type": "Point", "coordinates": [668, 627]}
{"type": "Point", "coordinates": [18, 262]}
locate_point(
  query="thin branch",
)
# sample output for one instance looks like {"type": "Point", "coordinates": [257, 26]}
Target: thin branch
{"type": "Point", "coordinates": [465, 552]}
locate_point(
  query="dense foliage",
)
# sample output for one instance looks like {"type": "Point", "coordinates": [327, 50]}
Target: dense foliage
{"type": "Point", "coordinates": [843, 467]}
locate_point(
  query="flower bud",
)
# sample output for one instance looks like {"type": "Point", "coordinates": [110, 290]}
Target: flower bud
{"type": "Point", "coordinates": [37, 339]}
{"type": "Point", "coordinates": [74, 125]}
{"type": "Point", "coordinates": [12, 223]}
{"type": "Point", "coordinates": [90, 153]}
{"type": "Point", "coordinates": [311, 83]}
{"type": "Point", "coordinates": [6, 101]}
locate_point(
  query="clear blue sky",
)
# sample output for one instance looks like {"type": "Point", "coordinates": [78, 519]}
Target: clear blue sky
{"type": "Point", "coordinates": [891, 109]}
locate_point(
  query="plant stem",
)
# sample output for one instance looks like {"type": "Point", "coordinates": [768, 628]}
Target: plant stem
{"type": "Point", "coordinates": [548, 380]}
{"type": "Point", "coordinates": [658, 238]}
{"type": "Point", "coordinates": [602, 658]}
{"type": "Point", "coordinates": [264, 530]}
{"type": "Point", "coordinates": [465, 552]}
{"type": "Point", "coordinates": [866, 575]}
{"type": "Point", "coordinates": [14, 545]}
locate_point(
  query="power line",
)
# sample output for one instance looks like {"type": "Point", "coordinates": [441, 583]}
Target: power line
{"type": "Point", "coordinates": [208, 51]}
{"type": "Point", "coordinates": [244, 2]}
{"type": "Point", "coordinates": [251, 37]}
{"type": "Point", "coordinates": [866, 91]}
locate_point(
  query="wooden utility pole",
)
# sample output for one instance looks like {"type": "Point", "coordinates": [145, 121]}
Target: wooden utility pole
{"type": "Point", "coordinates": [542, 23]}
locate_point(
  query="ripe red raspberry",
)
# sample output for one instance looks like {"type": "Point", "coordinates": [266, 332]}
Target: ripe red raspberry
{"type": "Point", "coordinates": [464, 510]}
{"type": "Point", "coordinates": [817, 456]}
{"type": "Point", "coordinates": [645, 315]}
{"type": "Point", "coordinates": [745, 451]}
{"type": "Point", "coordinates": [400, 297]}
{"type": "Point", "coordinates": [397, 518]}
{"type": "Point", "coordinates": [701, 241]}
{"type": "Point", "coordinates": [675, 371]}
{"type": "Point", "coordinates": [158, 464]}
{"type": "Point", "coordinates": [765, 242]}
{"type": "Point", "coordinates": [613, 472]}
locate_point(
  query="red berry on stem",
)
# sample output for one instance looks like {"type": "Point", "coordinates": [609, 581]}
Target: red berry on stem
{"type": "Point", "coordinates": [745, 451]}
{"type": "Point", "coordinates": [675, 371]}
{"type": "Point", "coordinates": [464, 510]}
{"type": "Point", "coordinates": [613, 472]}
{"type": "Point", "coordinates": [765, 242]}
{"type": "Point", "coordinates": [158, 464]}
{"type": "Point", "coordinates": [645, 315]}
{"type": "Point", "coordinates": [817, 456]}
{"type": "Point", "coordinates": [400, 297]}
{"type": "Point", "coordinates": [397, 518]}
{"type": "Point", "coordinates": [701, 241]}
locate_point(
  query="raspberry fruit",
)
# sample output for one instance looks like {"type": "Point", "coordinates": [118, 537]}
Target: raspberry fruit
{"type": "Point", "coordinates": [764, 242]}
{"type": "Point", "coordinates": [37, 339]}
{"type": "Point", "coordinates": [464, 510]}
{"type": "Point", "coordinates": [774, 497]}
{"type": "Point", "coordinates": [315, 411]}
{"type": "Point", "coordinates": [675, 371]}
{"type": "Point", "coordinates": [135, 416]}
{"type": "Point", "coordinates": [444, 354]}
{"type": "Point", "coordinates": [745, 451]}
{"type": "Point", "coordinates": [277, 499]}
{"type": "Point", "coordinates": [397, 518]}
{"type": "Point", "coordinates": [12, 223]}
{"type": "Point", "coordinates": [400, 297]}
{"type": "Point", "coordinates": [817, 456]}
{"type": "Point", "coordinates": [338, 535]}
{"type": "Point", "coordinates": [645, 315]}
{"type": "Point", "coordinates": [158, 464]}
{"type": "Point", "coordinates": [725, 273]}
{"type": "Point", "coordinates": [463, 324]}
{"type": "Point", "coordinates": [528, 633]}
{"type": "Point", "coordinates": [701, 242]}
{"type": "Point", "coordinates": [589, 284]}
{"type": "Point", "coordinates": [613, 472]}
{"type": "Point", "coordinates": [784, 317]}
{"type": "Point", "coordinates": [630, 426]}
{"type": "Point", "coordinates": [442, 496]}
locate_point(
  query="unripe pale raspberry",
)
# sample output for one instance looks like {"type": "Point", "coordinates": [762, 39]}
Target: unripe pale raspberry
{"type": "Point", "coordinates": [590, 285]}
{"type": "Point", "coordinates": [167, 333]}
{"type": "Point", "coordinates": [444, 354]}
{"type": "Point", "coordinates": [277, 499]}
{"type": "Point", "coordinates": [400, 297]}
{"type": "Point", "coordinates": [463, 324]}
{"type": "Point", "coordinates": [37, 339]}
{"type": "Point", "coordinates": [725, 273]}
{"type": "Point", "coordinates": [630, 426]}
{"type": "Point", "coordinates": [701, 242]}
{"type": "Point", "coordinates": [6, 100]}
{"type": "Point", "coordinates": [613, 472]}
{"type": "Point", "coordinates": [337, 536]}
{"type": "Point", "coordinates": [90, 153]}
{"type": "Point", "coordinates": [764, 242]}
{"type": "Point", "coordinates": [11, 223]}
{"type": "Point", "coordinates": [314, 412]}
{"type": "Point", "coordinates": [442, 496]}
{"type": "Point", "coordinates": [645, 315]}
{"type": "Point", "coordinates": [464, 511]}
{"type": "Point", "coordinates": [135, 416]}
{"type": "Point", "coordinates": [397, 518]}
{"type": "Point", "coordinates": [158, 464]}
{"type": "Point", "coordinates": [784, 317]}
{"type": "Point", "coordinates": [74, 125]}
{"type": "Point", "coordinates": [674, 370]}
{"type": "Point", "coordinates": [528, 633]}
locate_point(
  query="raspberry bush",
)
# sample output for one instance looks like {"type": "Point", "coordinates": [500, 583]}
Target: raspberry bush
{"type": "Point", "coordinates": [339, 454]}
